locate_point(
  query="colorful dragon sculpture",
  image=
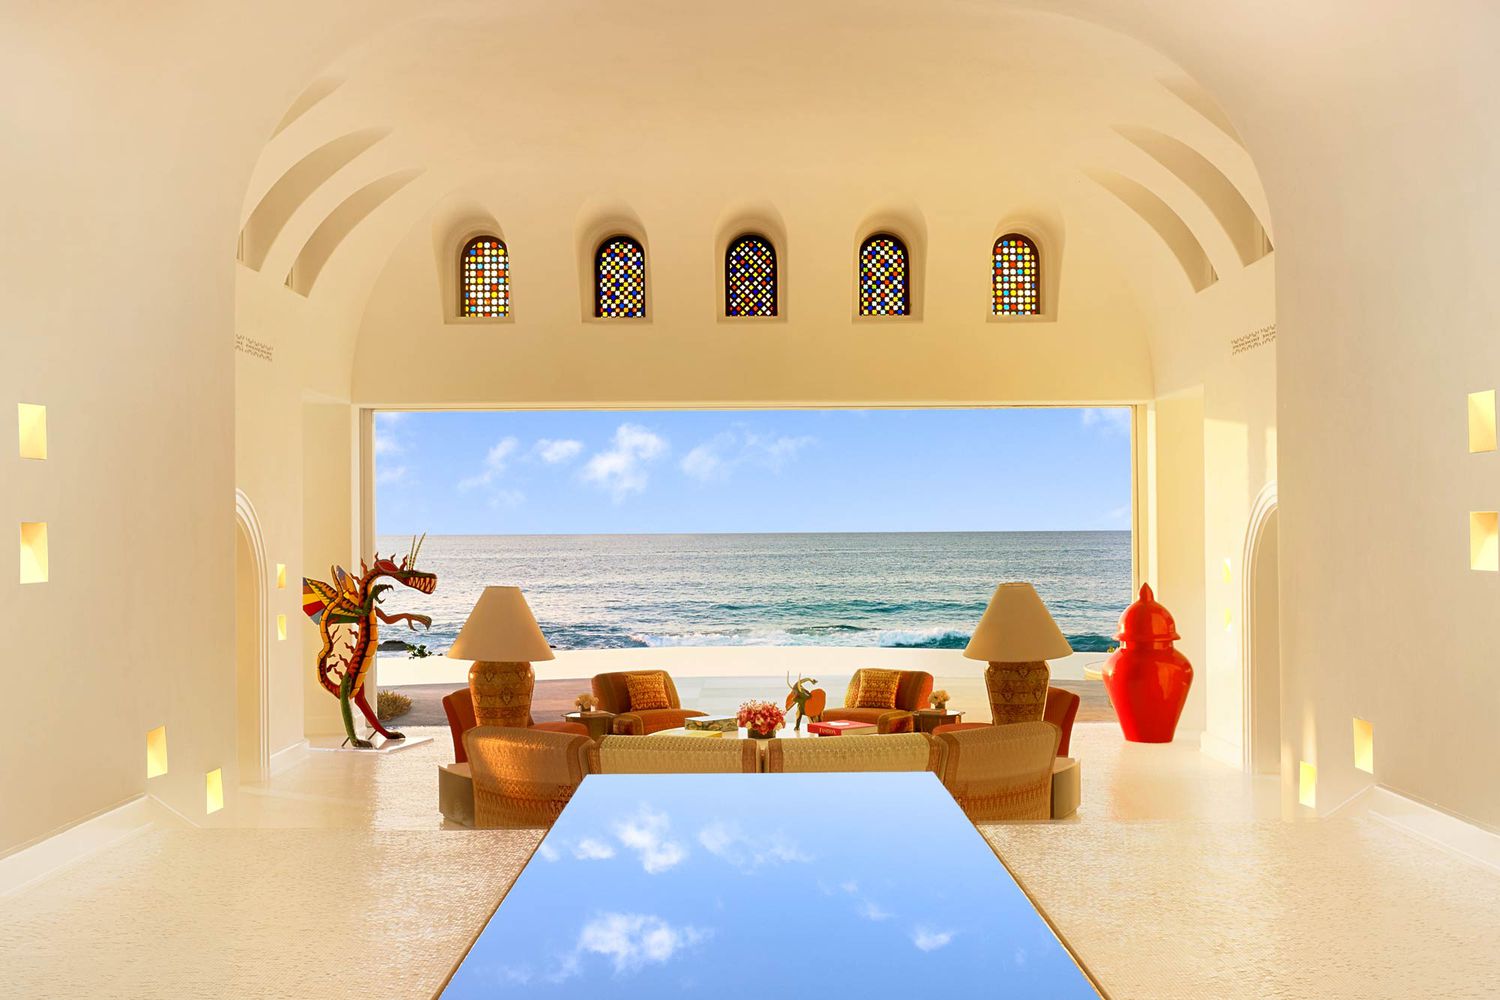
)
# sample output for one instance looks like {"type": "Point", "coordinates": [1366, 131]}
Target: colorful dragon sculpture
{"type": "Point", "coordinates": [348, 653]}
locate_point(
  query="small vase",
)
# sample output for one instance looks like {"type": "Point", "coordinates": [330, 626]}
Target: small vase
{"type": "Point", "coordinates": [756, 734]}
{"type": "Point", "coordinates": [940, 706]}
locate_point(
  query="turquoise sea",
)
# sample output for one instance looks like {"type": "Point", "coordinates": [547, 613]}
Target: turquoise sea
{"type": "Point", "coordinates": [917, 589]}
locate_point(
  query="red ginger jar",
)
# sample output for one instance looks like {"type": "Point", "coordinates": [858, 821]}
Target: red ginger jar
{"type": "Point", "coordinates": [1147, 678]}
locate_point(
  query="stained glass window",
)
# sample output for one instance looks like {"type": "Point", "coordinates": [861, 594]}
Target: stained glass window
{"type": "Point", "coordinates": [750, 277]}
{"type": "Point", "coordinates": [485, 278]}
{"type": "Point", "coordinates": [620, 279]}
{"type": "Point", "coordinates": [1017, 275]}
{"type": "Point", "coordinates": [883, 277]}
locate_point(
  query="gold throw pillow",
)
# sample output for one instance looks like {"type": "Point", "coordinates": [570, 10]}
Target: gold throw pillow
{"type": "Point", "coordinates": [647, 691]}
{"type": "Point", "coordinates": [877, 688]}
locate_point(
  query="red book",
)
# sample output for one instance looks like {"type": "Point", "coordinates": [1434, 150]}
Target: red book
{"type": "Point", "coordinates": [841, 727]}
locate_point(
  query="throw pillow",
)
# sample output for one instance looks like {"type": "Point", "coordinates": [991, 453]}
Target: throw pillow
{"type": "Point", "coordinates": [877, 688]}
{"type": "Point", "coordinates": [647, 691]}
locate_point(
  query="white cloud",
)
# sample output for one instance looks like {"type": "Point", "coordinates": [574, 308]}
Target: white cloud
{"type": "Point", "coordinates": [720, 455]}
{"type": "Point", "coordinates": [386, 440]}
{"type": "Point", "coordinates": [589, 849]}
{"type": "Point", "coordinates": [648, 835]}
{"type": "Point", "coordinates": [930, 940]}
{"type": "Point", "coordinates": [554, 451]}
{"type": "Point", "coordinates": [872, 911]}
{"type": "Point", "coordinates": [621, 468]}
{"type": "Point", "coordinates": [1108, 419]}
{"type": "Point", "coordinates": [633, 940]}
{"type": "Point", "coordinates": [549, 853]}
{"type": "Point", "coordinates": [494, 464]}
{"type": "Point", "coordinates": [728, 842]}
{"type": "Point", "coordinates": [387, 474]}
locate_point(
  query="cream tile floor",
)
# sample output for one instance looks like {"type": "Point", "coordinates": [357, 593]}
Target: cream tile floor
{"type": "Point", "coordinates": [1176, 880]}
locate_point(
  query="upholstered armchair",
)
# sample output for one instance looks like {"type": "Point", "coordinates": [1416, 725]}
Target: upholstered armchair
{"type": "Point", "coordinates": [1061, 710]}
{"type": "Point", "coordinates": [900, 752]}
{"type": "Point", "coordinates": [673, 755]}
{"type": "Point", "coordinates": [459, 707]}
{"type": "Point", "coordinates": [635, 715]}
{"type": "Point", "coordinates": [523, 777]}
{"type": "Point", "coordinates": [1000, 772]}
{"type": "Point", "coordinates": [889, 710]}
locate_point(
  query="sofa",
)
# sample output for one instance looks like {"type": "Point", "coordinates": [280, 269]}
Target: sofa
{"type": "Point", "coordinates": [673, 755]}
{"type": "Point", "coordinates": [912, 689]}
{"type": "Point", "coordinates": [613, 694]}
{"type": "Point", "coordinates": [896, 752]}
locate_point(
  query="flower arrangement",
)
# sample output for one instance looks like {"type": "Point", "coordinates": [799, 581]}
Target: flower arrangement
{"type": "Point", "coordinates": [939, 700]}
{"type": "Point", "coordinates": [761, 718]}
{"type": "Point", "coordinates": [585, 702]}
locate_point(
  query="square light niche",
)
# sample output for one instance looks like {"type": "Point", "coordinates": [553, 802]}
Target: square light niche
{"type": "Point", "coordinates": [156, 752]}
{"type": "Point", "coordinates": [1364, 746]}
{"type": "Point", "coordinates": [1484, 540]}
{"type": "Point", "coordinates": [281, 576]}
{"type": "Point", "coordinates": [213, 791]}
{"type": "Point", "coordinates": [33, 551]}
{"type": "Point", "coordinates": [32, 419]}
{"type": "Point", "coordinates": [1482, 421]}
{"type": "Point", "coordinates": [281, 628]}
{"type": "Point", "coordinates": [1307, 785]}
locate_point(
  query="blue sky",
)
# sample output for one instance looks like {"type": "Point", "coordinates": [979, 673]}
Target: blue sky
{"type": "Point", "coordinates": [588, 472]}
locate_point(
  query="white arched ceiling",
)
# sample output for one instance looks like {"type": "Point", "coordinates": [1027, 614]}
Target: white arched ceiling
{"type": "Point", "coordinates": [675, 115]}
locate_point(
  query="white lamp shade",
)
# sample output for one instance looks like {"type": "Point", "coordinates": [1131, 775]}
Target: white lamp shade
{"type": "Point", "coordinates": [501, 629]}
{"type": "Point", "coordinates": [1016, 628]}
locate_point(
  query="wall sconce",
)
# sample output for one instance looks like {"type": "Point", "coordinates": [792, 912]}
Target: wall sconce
{"type": "Point", "coordinates": [214, 791]}
{"type": "Point", "coordinates": [1482, 421]}
{"type": "Point", "coordinates": [33, 551]}
{"type": "Point", "coordinates": [281, 628]}
{"type": "Point", "coordinates": [156, 752]}
{"type": "Point", "coordinates": [32, 418]}
{"type": "Point", "coordinates": [1307, 785]}
{"type": "Point", "coordinates": [1364, 746]}
{"type": "Point", "coordinates": [1484, 540]}
{"type": "Point", "coordinates": [281, 576]}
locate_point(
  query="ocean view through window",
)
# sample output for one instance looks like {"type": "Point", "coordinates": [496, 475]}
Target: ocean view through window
{"type": "Point", "coordinates": [852, 528]}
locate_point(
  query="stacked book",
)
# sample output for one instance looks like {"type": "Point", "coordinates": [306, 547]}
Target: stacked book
{"type": "Point", "coordinates": [842, 727]}
{"type": "Point", "coordinates": [712, 723]}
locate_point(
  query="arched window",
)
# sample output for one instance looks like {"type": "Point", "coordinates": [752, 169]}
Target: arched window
{"type": "Point", "coordinates": [1017, 277]}
{"type": "Point", "coordinates": [620, 279]}
{"type": "Point", "coordinates": [750, 277]}
{"type": "Point", "coordinates": [884, 277]}
{"type": "Point", "coordinates": [484, 278]}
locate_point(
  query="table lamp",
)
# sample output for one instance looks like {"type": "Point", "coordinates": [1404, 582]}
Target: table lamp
{"type": "Point", "coordinates": [502, 638]}
{"type": "Point", "coordinates": [1017, 636]}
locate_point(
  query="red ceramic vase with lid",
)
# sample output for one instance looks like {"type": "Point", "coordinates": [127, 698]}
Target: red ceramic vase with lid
{"type": "Point", "coordinates": [1147, 678]}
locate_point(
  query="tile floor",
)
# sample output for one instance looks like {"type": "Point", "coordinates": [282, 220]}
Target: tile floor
{"type": "Point", "coordinates": [1176, 880]}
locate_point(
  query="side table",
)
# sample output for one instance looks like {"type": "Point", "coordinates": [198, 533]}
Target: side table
{"type": "Point", "coordinates": [597, 723]}
{"type": "Point", "coordinates": [929, 719]}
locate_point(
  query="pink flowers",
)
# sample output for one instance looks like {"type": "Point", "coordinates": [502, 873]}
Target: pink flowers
{"type": "Point", "coordinates": [761, 716]}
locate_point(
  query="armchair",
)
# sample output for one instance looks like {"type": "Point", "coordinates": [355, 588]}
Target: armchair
{"type": "Point", "coordinates": [912, 689]}
{"type": "Point", "coordinates": [613, 693]}
{"type": "Point", "coordinates": [1001, 772]}
{"type": "Point", "coordinates": [1061, 710]}
{"type": "Point", "coordinates": [523, 777]}
{"type": "Point", "coordinates": [459, 707]}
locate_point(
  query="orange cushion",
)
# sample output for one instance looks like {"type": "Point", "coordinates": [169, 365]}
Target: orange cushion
{"type": "Point", "coordinates": [647, 691]}
{"type": "Point", "coordinates": [877, 688]}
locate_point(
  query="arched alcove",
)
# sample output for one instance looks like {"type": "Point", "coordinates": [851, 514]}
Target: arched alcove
{"type": "Point", "coordinates": [252, 662]}
{"type": "Point", "coordinates": [1261, 638]}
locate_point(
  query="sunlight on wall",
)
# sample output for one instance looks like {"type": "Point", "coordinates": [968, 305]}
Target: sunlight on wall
{"type": "Point", "coordinates": [1307, 785]}
{"type": "Point", "coordinates": [1482, 421]}
{"type": "Point", "coordinates": [281, 628]}
{"type": "Point", "coordinates": [33, 551]}
{"type": "Point", "coordinates": [156, 752]}
{"type": "Point", "coordinates": [1364, 746]}
{"type": "Point", "coordinates": [1484, 540]}
{"type": "Point", "coordinates": [32, 418]}
{"type": "Point", "coordinates": [281, 576]}
{"type": "Point", "coordinates": [214, 791]}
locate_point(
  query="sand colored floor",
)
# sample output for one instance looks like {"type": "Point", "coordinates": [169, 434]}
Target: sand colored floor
{"type": "Point", "coordinates": [1176, 880]}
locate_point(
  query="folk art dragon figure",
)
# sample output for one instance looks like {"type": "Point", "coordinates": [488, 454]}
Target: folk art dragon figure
{"type": "Point", "coordinates": [348, 615]}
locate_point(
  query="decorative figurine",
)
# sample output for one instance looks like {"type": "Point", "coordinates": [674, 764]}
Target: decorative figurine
{"type": "Point", "coordinates": [1147, 678]}
{"type": "Point", "coordinates": [355, 602]}
{"type": "Point", "coordinates": [809, 702]}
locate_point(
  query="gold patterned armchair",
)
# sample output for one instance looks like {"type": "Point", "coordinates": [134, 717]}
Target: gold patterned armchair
{"type": "Point", "coordinates": [886, 698]}
{"type": "Point", "coordinates": [1000, 772]}
{"type": "Point", "coordinates": [673, 755]}
{"type": "Point", "coordinates": [523, 777]}
{"type": "Point", "coordinates": [652, 706]}
{"type": "Point", "coordinates": [899, 752]}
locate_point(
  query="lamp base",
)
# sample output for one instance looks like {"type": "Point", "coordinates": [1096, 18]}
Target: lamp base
{"type": "Point", "coordinates": [1018, 691]}
{"type": "Point", "coordinates": [502, 693]}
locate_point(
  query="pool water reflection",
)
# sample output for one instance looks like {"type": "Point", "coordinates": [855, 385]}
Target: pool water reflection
{"type": "Point", "coordinates": [784, 885]}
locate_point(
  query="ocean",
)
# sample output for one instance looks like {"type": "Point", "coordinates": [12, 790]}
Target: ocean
{"type": "Point", "coordinates": [897, 589]}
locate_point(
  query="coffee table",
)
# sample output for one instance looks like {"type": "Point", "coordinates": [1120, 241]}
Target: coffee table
{"type": "Point", "coordinates": [656, 885]}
